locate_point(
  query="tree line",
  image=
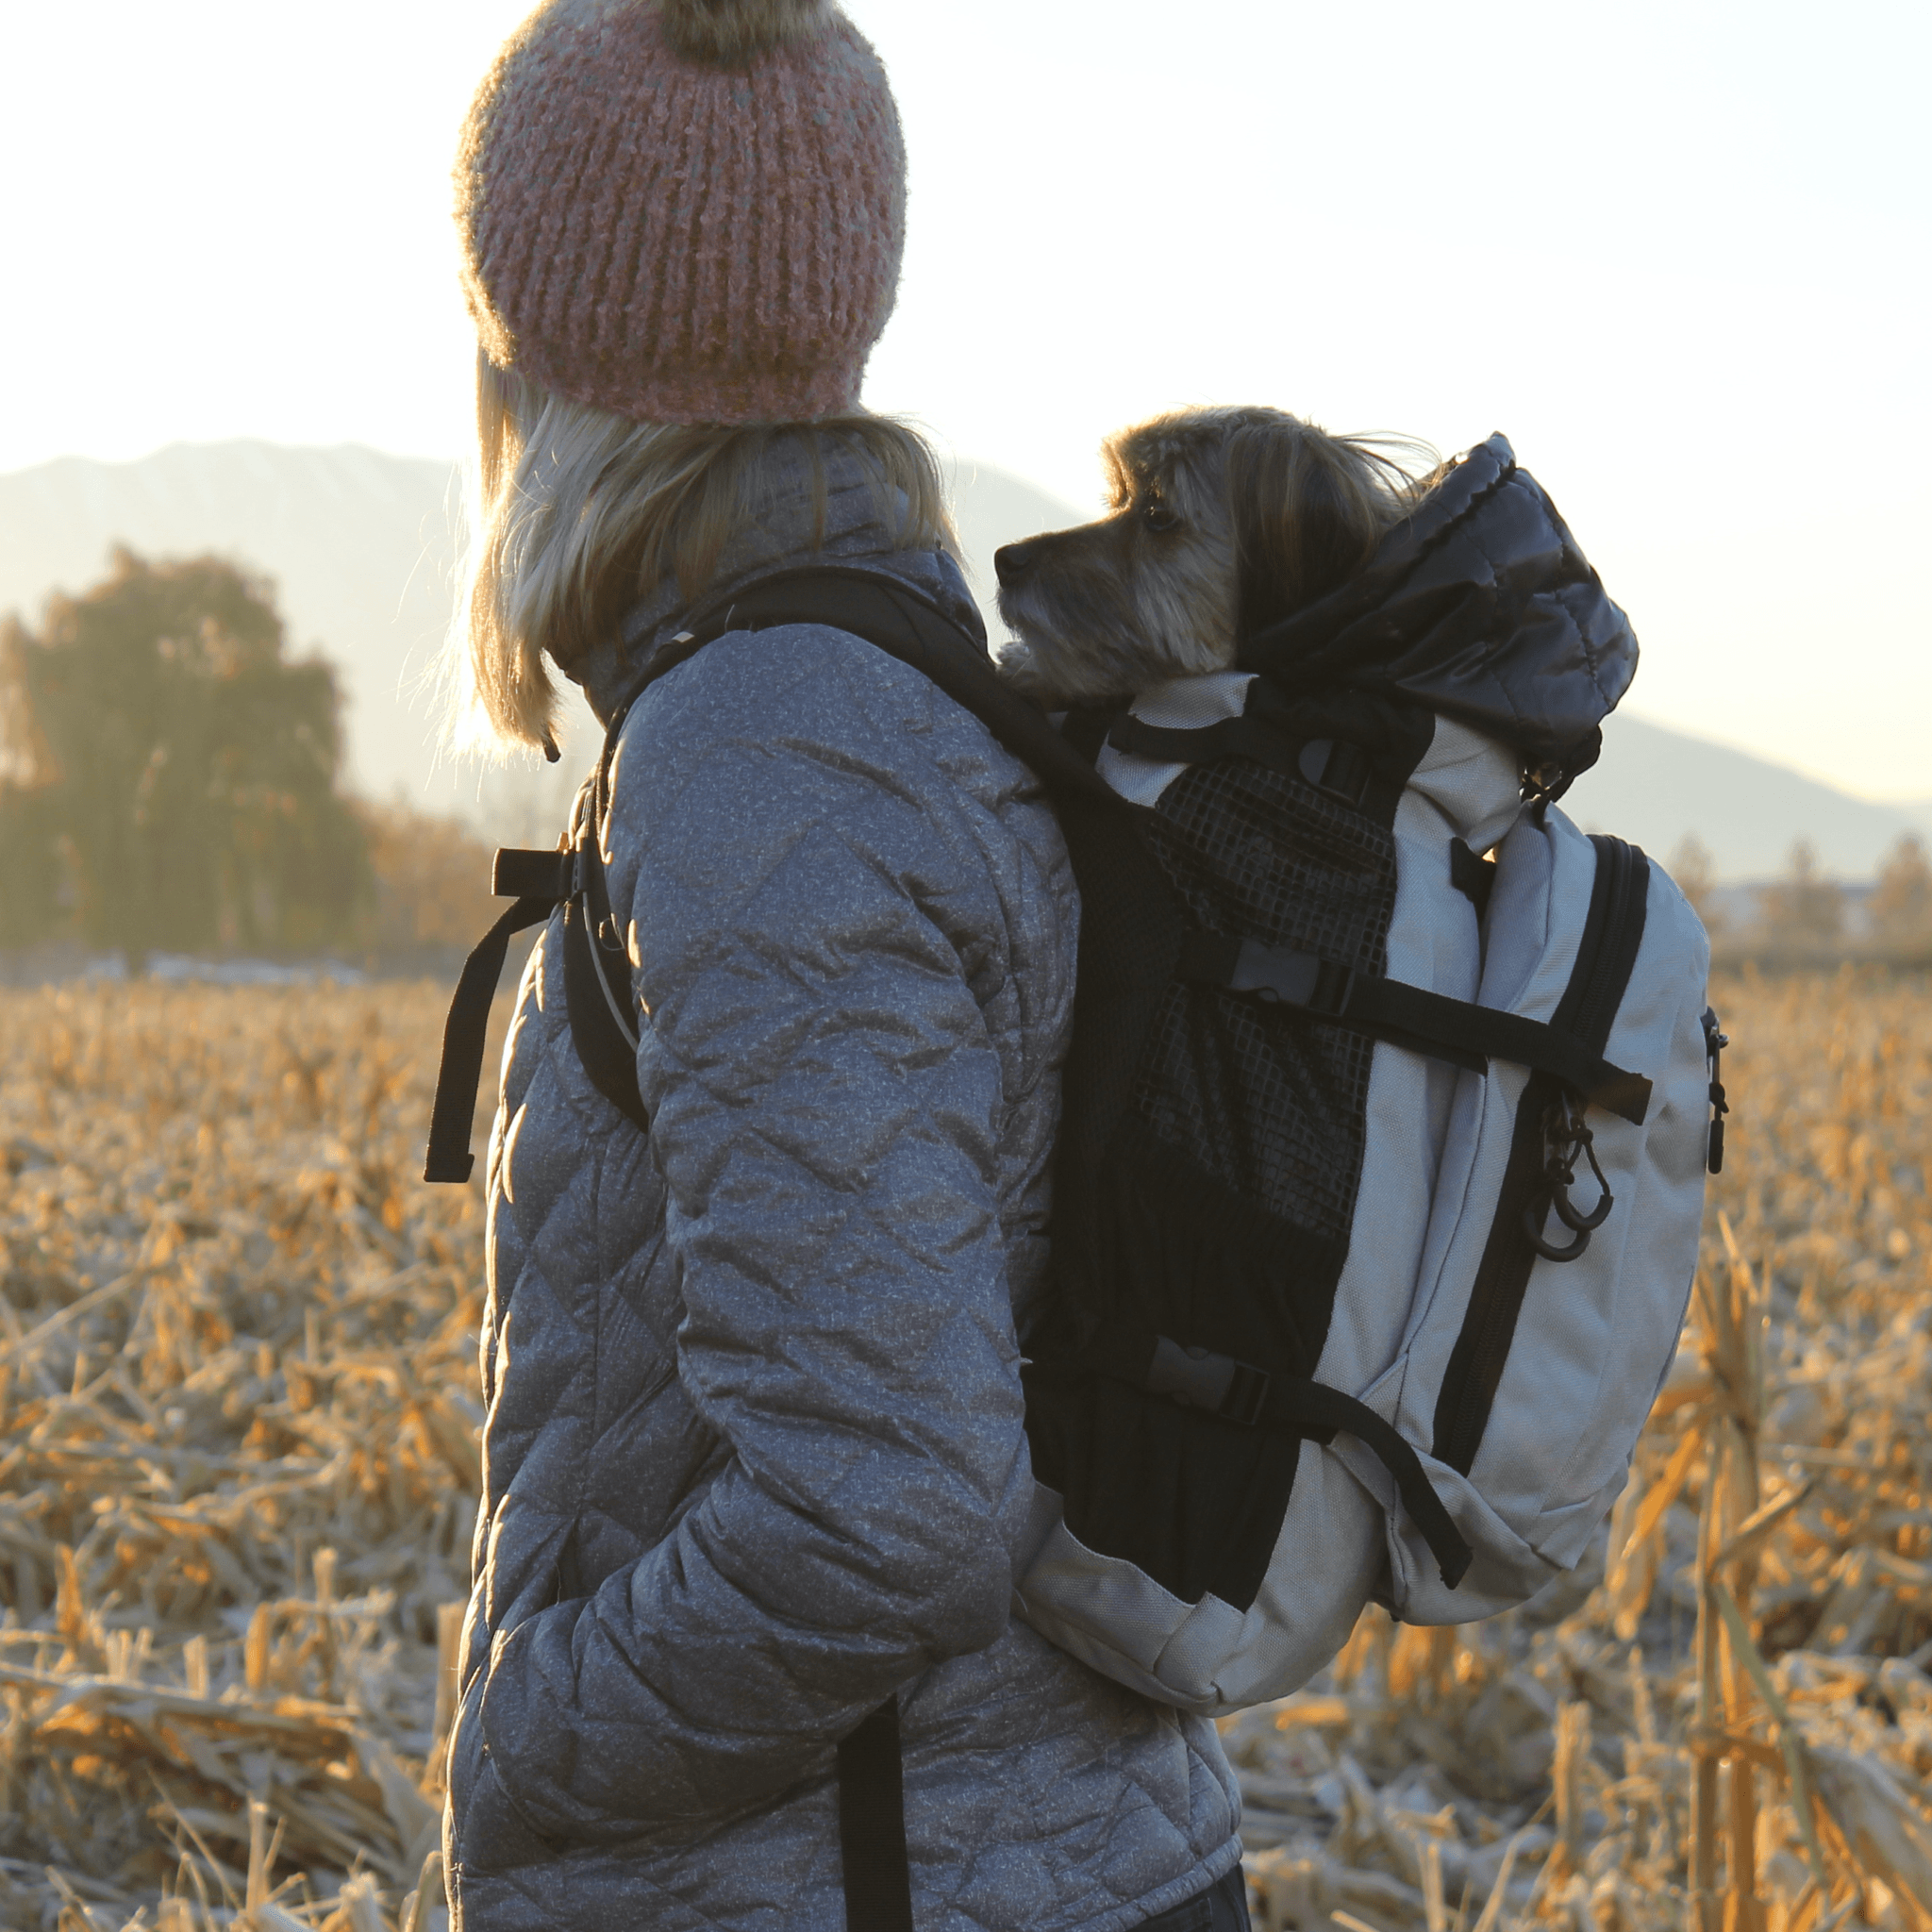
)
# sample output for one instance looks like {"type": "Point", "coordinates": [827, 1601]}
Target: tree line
{"type": "Point", "coordinates": [1805, 916]}
{"type": "Point", "coordinates": [169, 781]}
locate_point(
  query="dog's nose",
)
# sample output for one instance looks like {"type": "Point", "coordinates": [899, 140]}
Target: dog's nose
{"type": "Point", "coordinates": [1011, 562]}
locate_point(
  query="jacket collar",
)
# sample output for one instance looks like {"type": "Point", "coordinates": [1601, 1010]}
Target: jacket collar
{"type": "Point", "coordinates": [782, 537]}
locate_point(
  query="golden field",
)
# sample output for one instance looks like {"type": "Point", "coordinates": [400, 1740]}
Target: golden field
{"type": "Point", "coordinates": [237, 1481]}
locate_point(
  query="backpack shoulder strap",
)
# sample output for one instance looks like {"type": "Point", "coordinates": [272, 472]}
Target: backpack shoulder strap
{"type": "Point", "coordinates": [905, 623]}
{"type": "Point", "coordinates": [890, 615]}
{"type": "Point", "coordinates": [884, 611]}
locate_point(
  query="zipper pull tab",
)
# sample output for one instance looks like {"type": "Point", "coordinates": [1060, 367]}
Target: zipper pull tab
{"type": "Point", "coordinates": [1714, 1044]}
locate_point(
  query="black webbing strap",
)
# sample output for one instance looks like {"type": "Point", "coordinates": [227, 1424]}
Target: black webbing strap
{"type": "Point", "coordinates": [1236, 1391]}
{"type": "Point", "coordinates": [1332, 765]}
{"type": "Point", "coordinates": [1319, 1414]}
{"type": "Point", "coordinates": [902, 620]}
{"type": "Point", "coordinates": [872, 1826]}
{"type": "Point", "coordinates": [1474, 878]}
{"type": "Point", "coordinates": [1430, 1023]}
{"type": "Point", "coordinates": [1605, 955]}
{"type": "Point", "coordinates": [463, 1033]}
{"type": "Point", "coordinates": [1239, 737]}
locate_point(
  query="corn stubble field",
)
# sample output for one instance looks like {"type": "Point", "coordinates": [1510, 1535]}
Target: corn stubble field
{"type": "Point", "coordinates": [237, 1481]}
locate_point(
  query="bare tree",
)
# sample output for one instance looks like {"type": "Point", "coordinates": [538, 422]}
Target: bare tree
{"type": "Point", "coordinates": [1804, 910]}
{"type": "Point", "coordinates": [1695, 871]}
{"type": "Point", "coordinates": [1902, 900]}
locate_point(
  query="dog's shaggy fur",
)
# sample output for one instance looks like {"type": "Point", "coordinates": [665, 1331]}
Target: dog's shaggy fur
{"type": "Point", "coordinates": [1223, 521]}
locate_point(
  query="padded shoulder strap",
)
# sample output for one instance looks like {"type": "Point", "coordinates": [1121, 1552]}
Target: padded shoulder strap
{"type": "Point", "coordinates": [904, 623]}
{"type": "Point", "coordinates": [890, 616]}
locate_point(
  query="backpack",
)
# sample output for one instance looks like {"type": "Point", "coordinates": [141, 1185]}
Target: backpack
{"type": "Point", "coordinates": [1232, 1191]}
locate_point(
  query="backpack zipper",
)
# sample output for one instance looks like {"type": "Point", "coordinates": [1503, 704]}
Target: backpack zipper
{"type": "Point", "coordinates": [1596, 1004]}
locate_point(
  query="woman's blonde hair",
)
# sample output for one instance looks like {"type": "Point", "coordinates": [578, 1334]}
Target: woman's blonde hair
{"type": "Point", "coordinates": [578, 514]}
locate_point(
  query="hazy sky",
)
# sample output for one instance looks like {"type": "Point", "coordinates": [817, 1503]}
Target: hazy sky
{"type": "Point", "coordinates": [1678, 253]}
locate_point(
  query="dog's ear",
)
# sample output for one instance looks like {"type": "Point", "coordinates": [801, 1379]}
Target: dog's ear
{"type": "Point", "coordinates": [1303, 518]}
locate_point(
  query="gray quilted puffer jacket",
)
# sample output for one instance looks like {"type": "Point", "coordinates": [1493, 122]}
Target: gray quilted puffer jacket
{"type": "Point", "coordinates": [754, 1458]}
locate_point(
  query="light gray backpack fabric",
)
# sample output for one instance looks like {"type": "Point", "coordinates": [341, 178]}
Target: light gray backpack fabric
{"type": "Point", "coordinates": [1594, 1335]}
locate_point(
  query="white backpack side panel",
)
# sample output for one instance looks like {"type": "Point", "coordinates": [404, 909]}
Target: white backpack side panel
{"type": "Point", "coordinates": [1593, 1335]}
{"type": "Point", "coordinates": [1614, 1330]}
{"type": "Point", "coordinates": [1537, 915]}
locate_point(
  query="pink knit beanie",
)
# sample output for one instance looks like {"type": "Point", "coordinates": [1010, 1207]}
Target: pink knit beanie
{"type": "Point", "coordinates": [684, 210]}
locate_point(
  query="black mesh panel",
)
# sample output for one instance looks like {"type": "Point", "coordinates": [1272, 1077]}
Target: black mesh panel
{"type": "Point", "coordinates": [1269, 1104]}
{"type": "Point", "coordinates": [1212, 1149]}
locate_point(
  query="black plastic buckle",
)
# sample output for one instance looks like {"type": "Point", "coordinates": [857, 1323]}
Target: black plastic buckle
{"type": "Point", "coordinates": [551, 875]}
{"type": "Point", "coordinates": [1276, 975]}
{"type": "Point", "coordinates": [1337, 767]}
{"type": "Point", "coordinates": [1196, 1378]}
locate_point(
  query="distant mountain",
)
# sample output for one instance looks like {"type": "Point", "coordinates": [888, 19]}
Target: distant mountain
{"type": "Point", "coordinates": [1656, 787]}
{"type": "Point", "coordinates": [362, 547]}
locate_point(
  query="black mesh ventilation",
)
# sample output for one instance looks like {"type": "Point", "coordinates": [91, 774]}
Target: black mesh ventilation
{"type": "Point", "coordinates": [1213, 1148]}
{"type": "Point", "coordinates": [1268, 1104]}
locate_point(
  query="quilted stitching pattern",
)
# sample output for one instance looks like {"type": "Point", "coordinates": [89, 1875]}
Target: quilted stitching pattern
{"type": "Point", "coordinates": [753, 1455]}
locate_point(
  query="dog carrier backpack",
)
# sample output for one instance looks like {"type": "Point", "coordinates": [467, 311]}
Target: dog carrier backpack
{"type": "Point", "coordinates": [1382, 1159]}
{"type": "Point", "coordinates": [1380, 1167]}
{"type": "Point", "coordinates": [1328, 1323]}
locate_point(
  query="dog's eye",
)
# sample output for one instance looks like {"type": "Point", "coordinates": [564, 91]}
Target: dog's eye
{"type": "Point", "coordinates": [1157, 516]}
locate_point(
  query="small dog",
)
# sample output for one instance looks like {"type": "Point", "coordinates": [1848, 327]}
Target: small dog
{"type": "Point", "coordinates": [1223, 522]}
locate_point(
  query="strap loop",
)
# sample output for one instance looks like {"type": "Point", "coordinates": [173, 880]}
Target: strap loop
{"type": "Point", "coordinates": [449, 1157]}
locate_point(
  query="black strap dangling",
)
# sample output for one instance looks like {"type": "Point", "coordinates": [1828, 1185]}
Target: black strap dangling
{"type": "Point", "coordinates": [872, 1826]}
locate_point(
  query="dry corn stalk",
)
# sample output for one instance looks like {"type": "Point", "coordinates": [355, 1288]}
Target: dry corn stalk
{"type": "Point", "coordinates": [1759, 1732]}
{"type": "Point", "coordinates": [237, 1369]}
{"type": "Point", "coordinates": [238, 1472]}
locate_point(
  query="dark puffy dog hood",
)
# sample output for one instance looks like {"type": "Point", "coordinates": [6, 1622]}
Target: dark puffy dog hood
{"type": "Point", "coordinates": [1479, 605]}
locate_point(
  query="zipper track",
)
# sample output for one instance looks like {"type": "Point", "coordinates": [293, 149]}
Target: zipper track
{"type": "Point", "coordinates": [1592, 1007]}
{"type": "Point", "coordinates": [1612, 934]}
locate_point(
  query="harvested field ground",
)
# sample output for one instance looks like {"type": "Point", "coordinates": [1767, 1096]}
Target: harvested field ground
{"type": "Point", "coordinates": [237, 1488]}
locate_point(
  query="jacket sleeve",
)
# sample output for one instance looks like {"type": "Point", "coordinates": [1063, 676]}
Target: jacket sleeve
{"type": "Point", "coordinates": [811, 917]}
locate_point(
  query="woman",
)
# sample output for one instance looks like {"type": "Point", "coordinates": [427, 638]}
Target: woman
{"type": "Point", "coordinates": [753, 1461]}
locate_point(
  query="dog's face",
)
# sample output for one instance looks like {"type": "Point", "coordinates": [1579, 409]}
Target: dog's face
{"type": "Point", "coordinates": [1149, 593]}
{"type": "Point", "coordinates": [1223, 521]}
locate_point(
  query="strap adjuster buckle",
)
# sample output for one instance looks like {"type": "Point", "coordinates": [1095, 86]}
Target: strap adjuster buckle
{"type": "Point", "coordinates": [1198, 1378]}
{"type": "Point", "coordinates": [516, 875]}
{"type": "Point", "coordinates": [1279, 975]}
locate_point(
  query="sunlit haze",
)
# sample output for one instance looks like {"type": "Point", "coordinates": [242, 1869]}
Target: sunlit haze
{"type": "Point", "coordinates": [1678, 253]}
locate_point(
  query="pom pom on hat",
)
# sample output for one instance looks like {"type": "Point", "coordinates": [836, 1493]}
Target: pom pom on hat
{"type": "Point", "coordinates": [728, 33]}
